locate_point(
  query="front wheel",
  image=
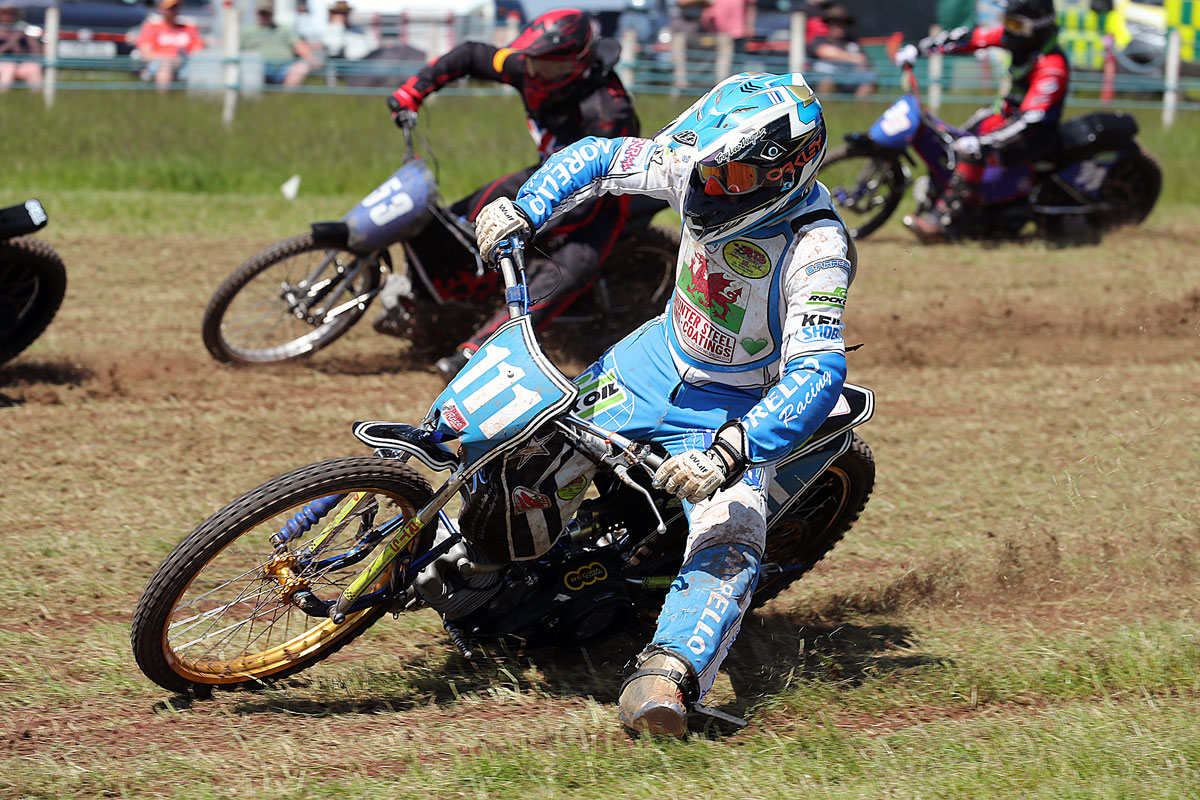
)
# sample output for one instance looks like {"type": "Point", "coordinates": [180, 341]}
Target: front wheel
{"type": "Point", "coordinates": [288, 301]}
{"type": "Point", "coordinates": [866, 187]}
{"type": "Point", "coordinates": [810, 529]}
{"type": "Point", "coordinates": [228, 607]}
{"type": "Point", "coordinates": [33, 282]}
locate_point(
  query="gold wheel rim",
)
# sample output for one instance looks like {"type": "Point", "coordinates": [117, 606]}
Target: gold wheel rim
{"type": "Point", "coordinates": [278, 657]}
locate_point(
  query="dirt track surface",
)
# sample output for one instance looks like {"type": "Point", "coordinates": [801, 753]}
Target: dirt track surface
{"type": "Point", "coordinates": [1037, 440]}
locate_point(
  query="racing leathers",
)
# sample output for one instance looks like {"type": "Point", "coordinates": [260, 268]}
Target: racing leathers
{"type": "Point", "coordinates": [1019, 129]}
{"type": "Point", "coordinates": [578, 243]}
{"type": "Point", "coordinates": [752, 333]}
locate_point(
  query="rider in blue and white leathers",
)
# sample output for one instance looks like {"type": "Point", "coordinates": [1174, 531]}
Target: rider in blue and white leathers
{"type": "Point", "coordinates": [745, 363]}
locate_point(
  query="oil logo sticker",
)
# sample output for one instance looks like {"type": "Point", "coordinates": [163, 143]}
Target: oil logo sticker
{"type": "Point", "coordinates": [746, 258]}
{"type": "Point", "coordinates": [573, 489]}
{"type": "Point", "coordinates": [597, 395]}
{"type": "Point", "coordinates": [585, 576]}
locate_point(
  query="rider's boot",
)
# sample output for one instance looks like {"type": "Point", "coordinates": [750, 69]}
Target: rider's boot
{"type": "Point", "coordinates": [396, 297]}
{"type": "Point", "coordinates": [941, 223]}
{"type": "Point", "coordinates": [700, 618]}
{"type": "Point", "coordinates": [653, 699]}
{"type": "Point", "coordinates": [451, 365]}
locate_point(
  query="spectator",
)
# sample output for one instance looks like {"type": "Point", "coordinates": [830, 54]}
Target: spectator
{"type": "Point", "coordinates": [15, 42]}
{"type": "Point", "coordinates": [280, 48]}
{"type": "Point", "coordinates": [340, 39]}
{"type": "Point", "coordinates": [839, 63]}
{"type": "Point", "coordinates": [164, 44]}
{"type": "Point", "coordinates": [686, 20]}
{"type": "Point", "coordinates": [733, 17]}
{"type": "Point", "coordinates": [814, 26]}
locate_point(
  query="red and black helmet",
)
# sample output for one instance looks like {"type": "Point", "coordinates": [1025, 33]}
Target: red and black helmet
{"type": "Point", "coordinates": [558, 48]}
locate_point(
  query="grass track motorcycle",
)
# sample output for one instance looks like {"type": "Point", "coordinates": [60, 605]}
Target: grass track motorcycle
{"type": "Point", "coordinates": [299, 295]}
{"type": "Point", "coordinates": [1098, 177]}
{"type": "Point", "coordinates": [33, 279]}
{"type": "Point", "coordinates": [295, 569]}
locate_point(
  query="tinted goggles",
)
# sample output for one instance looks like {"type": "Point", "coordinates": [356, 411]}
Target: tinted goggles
{"type": "Point", "coordinates": [1024, 26]}
{"type": "Point", "coordinates": [732, 177]}
{"type": "Point", "coordinates": [550, 69]}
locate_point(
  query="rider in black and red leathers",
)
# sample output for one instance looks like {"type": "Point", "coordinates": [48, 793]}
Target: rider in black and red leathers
{"type": "Point", "coordinates": [1021, 128]}
{"type": "Point", "coordinates": [564, 72]}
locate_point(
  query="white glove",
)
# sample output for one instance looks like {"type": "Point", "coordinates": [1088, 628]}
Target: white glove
{"type": "Point", "coordinates": [499, 220]}
{"type": "Point", "coordinates": [693, 476]}
{"type": "Point", "coordinates": [906, 56]}
{"type": "Point", "coordinates": [967, 147]}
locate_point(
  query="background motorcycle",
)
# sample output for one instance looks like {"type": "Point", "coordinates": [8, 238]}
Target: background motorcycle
{"type": "Point", "coordinates": [300, 294]}
{"type": "Point", "coordinates": [33, 279]}
{"type": "Point", "coordinates": [1099, 176]}
{"type": "Point", "coordinates": [272, 583]}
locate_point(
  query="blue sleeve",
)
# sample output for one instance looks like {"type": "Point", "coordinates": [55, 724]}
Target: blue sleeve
{"type": "Point", "coordinates": [569, 171]}
{"type": "Point", "coordinates": [795, 406]}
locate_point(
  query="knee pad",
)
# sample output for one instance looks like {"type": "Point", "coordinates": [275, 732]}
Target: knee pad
{"type": "Point", "coordinates": [735, 516]}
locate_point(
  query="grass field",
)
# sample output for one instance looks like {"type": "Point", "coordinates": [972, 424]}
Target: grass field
{"type": "Point", "coordinates": [1014, 614]}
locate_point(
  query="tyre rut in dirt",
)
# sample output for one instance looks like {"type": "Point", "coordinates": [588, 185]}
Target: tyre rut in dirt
{"type": "Point", "coordinates": [251, 319]}
{"type": "Point", "coordinates": [819, 520]}
{"type": "Point", "coordinates": [217, 612]}
{"type": "Point", "coordinates": [864, 196]}
{"type": "Point", "coordinates": [33, 282]}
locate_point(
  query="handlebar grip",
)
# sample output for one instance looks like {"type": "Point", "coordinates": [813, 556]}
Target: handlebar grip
{"type": "Point", "coordinates": [654, 461]}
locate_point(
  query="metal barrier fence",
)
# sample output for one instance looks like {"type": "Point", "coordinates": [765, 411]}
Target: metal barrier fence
{"type": "Point", "coordinates": [673, 70]}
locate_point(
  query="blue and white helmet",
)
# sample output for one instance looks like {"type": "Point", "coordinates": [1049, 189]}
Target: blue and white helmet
{"type": "Point", "coordinates": [756, 142]}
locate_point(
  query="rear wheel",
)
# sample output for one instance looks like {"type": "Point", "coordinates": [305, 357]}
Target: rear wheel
{"type": "Point", "coordinates": [865, 187]}
{"type": "Point", "coordinates": [289, 301]}
{"type": "Point", "coordinates": [1131, 188]}
{"type": "Point", "coordinates": [810, 529]}
{"type": "Point", "coordinates": [33, 282]}
{"type": "Point", "coordinates": [639, 275]}
{"type": "Point", "coordinates": [226, 608]}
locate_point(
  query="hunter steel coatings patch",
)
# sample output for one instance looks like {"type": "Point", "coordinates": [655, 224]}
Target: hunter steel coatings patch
{"type": "Point", "coordinates": [573, 489]}
{"type": "Point", "coordinates": [746, 258]}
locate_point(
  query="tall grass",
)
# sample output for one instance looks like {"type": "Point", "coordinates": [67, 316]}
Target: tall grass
{"type": "Point", "coordinates": [345, 145]}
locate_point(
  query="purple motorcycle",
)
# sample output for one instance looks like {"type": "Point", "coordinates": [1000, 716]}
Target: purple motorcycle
{"type": "Point", "coordinates": [1097, 177]}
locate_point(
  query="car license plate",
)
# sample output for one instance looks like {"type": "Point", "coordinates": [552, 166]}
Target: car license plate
{"type": "Point", "coordinates": [73, 48]}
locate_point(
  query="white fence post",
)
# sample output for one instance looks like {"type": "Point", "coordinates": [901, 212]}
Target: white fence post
{"type": "Point", "coordinates": [936, 64]}
{"type": "Point", "coordinates": [230, 69]}
{"type": "Point", "coordinates": [50, 78]}
{"type": "Point", "coordinates": [723, 63]}
{"type": "Point", "coordinates": [1171, 82]}
{"type": "Point", "coordinates": [798, 27]}
{"type": "Point", "coordinates": [679, 62]}
{"type": "Point", "coordinates": [629, 54]}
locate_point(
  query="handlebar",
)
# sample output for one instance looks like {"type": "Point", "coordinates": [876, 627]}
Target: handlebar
{"type": "Point", "coordinates": [510, 260]}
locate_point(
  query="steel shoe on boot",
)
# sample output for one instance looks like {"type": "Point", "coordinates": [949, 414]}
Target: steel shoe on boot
{"type": "Point", "coordinates": [449, 366]}
{"type": "Point", "coordinates": [930, 227]}
{"type": "Point", "coordinates": [654, 698]}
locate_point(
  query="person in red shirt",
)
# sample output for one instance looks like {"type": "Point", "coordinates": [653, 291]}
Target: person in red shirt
{"type": "Point", "coordinates": [1021, 128]}
{"type": "Point", "coordinates": [165, 44]}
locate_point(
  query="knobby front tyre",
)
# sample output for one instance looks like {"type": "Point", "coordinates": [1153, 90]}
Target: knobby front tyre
{"type": "Point", "coordinates": [865, 187]}
{"type": "Point", "coordinates": [33, 282]}
{"type": "Point", "coordinates": [263, 312]}
{"type": "Point", "coordinates": [218, 612]}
